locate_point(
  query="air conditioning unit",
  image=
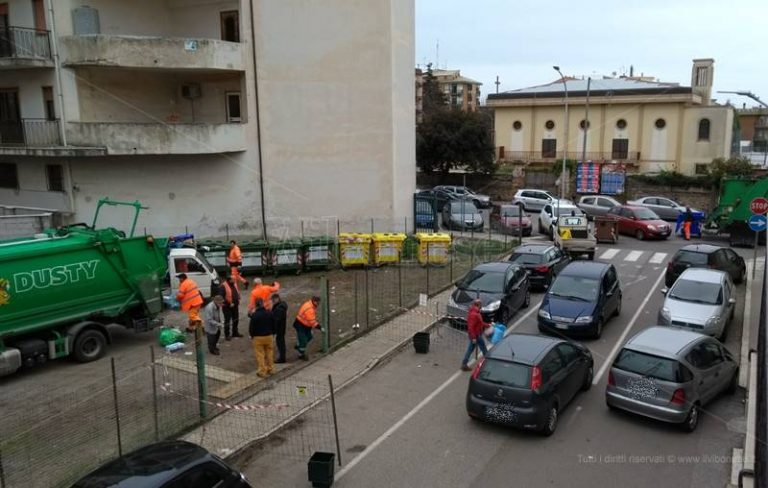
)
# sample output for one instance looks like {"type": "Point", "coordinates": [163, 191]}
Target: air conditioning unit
{"type": "Point", "coordinates": [191, 91]}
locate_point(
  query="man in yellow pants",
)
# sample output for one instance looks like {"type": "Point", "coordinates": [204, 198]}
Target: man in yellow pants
{"type": "Point", "coordinates": [191, 300]}
{"type": "Point", "coordinates": [261, 329]}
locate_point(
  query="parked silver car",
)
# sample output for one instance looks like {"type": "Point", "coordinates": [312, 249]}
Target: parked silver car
{"type": "Point", "coordinates": [462, 215]}
{"type": "Point", "coordinates": [663, 207]}
{"type": "Point", "coordinates": [668, 374]}
{"type": "Point", "coordinates": [701, 299]}
{"type": "Point", "coordinates": [464, 193]}
{"type": "Point", "coordinates": [594, 205]}
{"type": "Point", "coordinates": [532, 200]}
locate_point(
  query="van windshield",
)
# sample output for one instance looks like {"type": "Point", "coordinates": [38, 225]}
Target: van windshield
{"type": "Point", "coordinates": [505, 373]}
{"type": "Point", "coordinates": [664, 369]}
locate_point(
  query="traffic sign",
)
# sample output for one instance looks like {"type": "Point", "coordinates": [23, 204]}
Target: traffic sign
{"type": "Point", "coordinates": [758, 223]}
{"type": "Point", "coordinates": [759, 205]}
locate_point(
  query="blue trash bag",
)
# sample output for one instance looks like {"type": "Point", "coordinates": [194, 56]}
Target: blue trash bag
{"type": "Point", "coordinates": [498, 332]}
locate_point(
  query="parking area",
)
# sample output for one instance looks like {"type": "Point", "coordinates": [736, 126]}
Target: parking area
{"type": "Point", "coordinates": [405, 424]}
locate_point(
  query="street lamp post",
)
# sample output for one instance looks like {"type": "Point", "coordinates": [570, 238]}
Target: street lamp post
{"type": "Point", "coordinates": [565, 132]}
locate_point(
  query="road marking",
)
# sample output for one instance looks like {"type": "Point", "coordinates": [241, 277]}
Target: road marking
{"type": "Point", "coordinates": [620, 342]}
{"type": "Point", "coordinates": [388, 433]}
{"type": "Point", "coordinates": [609, 254]}
{"type": "Point", "coordinates": [746, 326]}
{"type": "Point", "coordinates": [658, 258]}
{"type": "Point", "coordinates": [633, 256]}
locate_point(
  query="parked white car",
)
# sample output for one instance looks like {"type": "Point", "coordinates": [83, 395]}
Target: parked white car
{"type": "Point", "coordinates": [551, 211]}
{"type": "Point", "coordinates": [532, 200]}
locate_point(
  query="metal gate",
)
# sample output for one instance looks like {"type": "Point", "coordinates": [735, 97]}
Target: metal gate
{"type": "Point", "coordinates": [425, 214]}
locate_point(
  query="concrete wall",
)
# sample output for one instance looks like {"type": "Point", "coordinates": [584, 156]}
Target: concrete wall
{"type": "Point", "coordinates": [33, 185]}
{"type": "Point", "coordinates": [30, 84]}
{"type": "Point", "coordinates": [697, 151]}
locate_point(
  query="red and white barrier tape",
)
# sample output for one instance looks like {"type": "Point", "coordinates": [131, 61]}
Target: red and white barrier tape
{"type": "Point", "coordinates": [241, 408]}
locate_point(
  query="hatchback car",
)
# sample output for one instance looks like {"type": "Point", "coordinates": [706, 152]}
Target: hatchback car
{"type": "Point", "coordinates": [462, 215]}
{"type": "Point", "coordinates": [640, 222]}
{"type": "Point", "coordinates": [542, 261]}
{"type": "Point", "coordinates": [583, 297]}
{"type": "Point", "coordinates": [464, 193]}
{"type": "Point", "coordinates": [169, 464]}
{"type": "Point", "coordinates": [668, 374]}
{"type": "Point", "coordinates": [527, 380]}
{"type": "Point", "coordinates": [703, 300]}
{"type": "Point", "coordinates": [532, 200]}
{"type": "Point", "coordinates": [503, 288]}
{"type": "Point", "coordinates": [511, 219]}
{"type": "Point", "coordinates": [440, 197]}
{"type": "Point", "coordinates": [594, 205]}
{"type": "Point", "coordinates": [551, 212]}
{"type": "Point", "coordinates": [663, 207]}
{"type": "Point", "coordinates": [706, 256]}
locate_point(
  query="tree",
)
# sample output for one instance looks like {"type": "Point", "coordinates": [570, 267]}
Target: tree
{"type": "Point", "coordinates": [448, 139]}
{"type": "Point", "coordinates": [433, 99]}
{"type": "Point", "coordinates": [733, 166]}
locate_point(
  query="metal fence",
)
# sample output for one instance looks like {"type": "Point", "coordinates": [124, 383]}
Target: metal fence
{"type": "Point", "coordinates": [761, 429]}
{"type": "Point", "coordinates": [21, 42]}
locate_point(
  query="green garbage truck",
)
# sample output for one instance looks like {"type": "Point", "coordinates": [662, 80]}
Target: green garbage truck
{"type": "Point", "coordinates": [60, 289]}
{"type": "Point", "coordinates": [732, 212]}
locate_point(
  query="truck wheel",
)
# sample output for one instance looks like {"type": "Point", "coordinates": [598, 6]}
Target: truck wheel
{"type": "Point", "coordinates": [89, 345]}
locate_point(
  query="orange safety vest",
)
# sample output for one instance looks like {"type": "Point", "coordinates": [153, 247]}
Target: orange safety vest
{"type": "Point", "coordinates": [263, 292]}
{"type": "Point", "coordinates": [235, 256]}
{"type": "Point", "coordinates": [189, 295]}
{"type": "Point", "coordinates": [307, 315]}
{"type": "Point", "coordinates": [227, 292]}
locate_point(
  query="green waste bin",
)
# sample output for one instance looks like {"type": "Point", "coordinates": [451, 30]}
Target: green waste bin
{"type": "Point", "coordinates": [285, 255]}
{"type": "Point", "coordinates": [319, 252]}
{"type": "Point", "coordinates": [255, 257]}
{"type": "Point", "coordinates": [215, 252]}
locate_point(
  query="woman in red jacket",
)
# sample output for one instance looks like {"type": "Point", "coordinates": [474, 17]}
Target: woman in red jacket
{"type": "Point", "coordinates": [475, 327]}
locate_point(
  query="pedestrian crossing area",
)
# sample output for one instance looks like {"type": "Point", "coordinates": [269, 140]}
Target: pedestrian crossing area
{"type": "Point", "coordinates": [633, 256]}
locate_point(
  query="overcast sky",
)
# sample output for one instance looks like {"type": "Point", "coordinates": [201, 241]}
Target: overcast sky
{"type": "Point", "coordinates": [520, 40]}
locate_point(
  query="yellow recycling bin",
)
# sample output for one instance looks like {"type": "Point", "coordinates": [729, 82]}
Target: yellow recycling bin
{"type": "Point", "coordinates": [433, 248]}
{"type": "Point", "coordinates": [354, 249]}
{"type": "Point", "coordinates": [387, 247]}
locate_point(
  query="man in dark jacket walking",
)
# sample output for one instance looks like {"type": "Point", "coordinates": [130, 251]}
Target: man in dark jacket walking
{"type": "Point", "coordinates": [475, 327]}
{"type": "Point", "coordinates": [261, 329]}
{"type": "Point", "coordinates": [280, 316]}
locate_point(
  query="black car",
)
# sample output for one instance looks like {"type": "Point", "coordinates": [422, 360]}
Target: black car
{"type": "Point", "coordinates": [705, 256]}
{"type": "Point", "coordinates": [441, 197]}
{"type": "Point", "coordinates": [542, 261]}
{"type": "Point", "coordinates": [169, 464]}
{"type": "Point", "coordinates": [583, 297]}
{"type": "Point", "coordinates": [526, 380]}
{"type": "Point", "coordinates": [503, 288]}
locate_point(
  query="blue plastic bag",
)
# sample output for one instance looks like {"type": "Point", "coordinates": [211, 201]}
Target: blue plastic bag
{"type": "Point", "coordinates": [498, 333]}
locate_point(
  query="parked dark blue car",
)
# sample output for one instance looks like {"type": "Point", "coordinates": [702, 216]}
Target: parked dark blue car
{"type": "Point", "coordinates": [583, 297]}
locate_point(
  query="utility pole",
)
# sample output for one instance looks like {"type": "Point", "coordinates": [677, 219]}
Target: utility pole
{"type": "Point", "coordinates": [586, 125]}
{"type": "Point", "coordinates": [565, 132]}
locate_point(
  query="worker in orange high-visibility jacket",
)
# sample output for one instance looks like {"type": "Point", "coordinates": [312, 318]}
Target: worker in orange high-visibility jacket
{"type": "Point", "coordinates": [235, 261]}
{"type": "Point", "coordinates": [306, 321]}
{"type": "Point", "coordinates": [262, 292]}
{"type": "Point", "coordinates": [191, 300]}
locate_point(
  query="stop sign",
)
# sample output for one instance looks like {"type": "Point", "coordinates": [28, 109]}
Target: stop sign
{"type": "Point", "coordinates": [759, 205]}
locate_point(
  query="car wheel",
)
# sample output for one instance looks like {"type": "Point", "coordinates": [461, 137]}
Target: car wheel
{"type": "Point", "coordinates": [617, 312]}
{"type": "Point", "coordinates": [692, 421]}
{"type": "Point", "coordinates": [550, 424]}
{"type": "Point", "coordinates": [90, 345]}
{"type": "Point", "coordinates": [734, 383]}
{"type": "Point", "coordinates": [639, 234]}
{"type": "Point", "coordinates": [527, 300]}
{"type": "Point", "coordinates": [588, 377]}
{"type": "Point", "coordinates": [598, 329]}
{"type": "Point", "coordinates": [503, 315]}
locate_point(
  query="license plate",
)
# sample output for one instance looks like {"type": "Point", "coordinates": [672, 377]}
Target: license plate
{"type": "Point", "coordinates": [561, 326]}
{"type": "Point", "coordinates": [642, 389]}
{"type": "Point", "coordinates": [501, 413]}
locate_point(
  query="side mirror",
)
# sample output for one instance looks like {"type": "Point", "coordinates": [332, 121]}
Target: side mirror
{"type": "Point", "coordinates": [732, 301]}
{"type": "Point", "coordinates": [664, 291]}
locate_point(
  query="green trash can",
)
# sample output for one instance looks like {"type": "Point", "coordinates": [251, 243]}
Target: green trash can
{"type": "Point", "coordinates": [215, 252]}
{"type": "Point", "coordinates": [255, 259]}
{"type": "Point", "coordinates": [285, 256]}
{"type": "Point", "coordinates": [319, 252]}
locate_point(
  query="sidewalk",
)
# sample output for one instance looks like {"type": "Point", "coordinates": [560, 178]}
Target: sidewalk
{"type": "Point", "coordinates": [235, 430]}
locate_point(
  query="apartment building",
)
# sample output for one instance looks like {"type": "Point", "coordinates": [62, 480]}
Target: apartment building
{"type": "Point", "coordinates": [460, 92]}
{"type": "Point", "coordinates": [213, 113]}
{"type": "Point", "coordinates": [648, 125]}
{"type": "Point", "coordinates": [753, 134]}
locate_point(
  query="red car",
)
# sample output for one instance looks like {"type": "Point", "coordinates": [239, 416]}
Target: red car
{"type": "Point", "coordinates": [507, 219]}
{"type": "Point", "coordinates": [640, 222]}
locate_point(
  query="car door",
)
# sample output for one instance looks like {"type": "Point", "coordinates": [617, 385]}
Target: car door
{"type": "Point", "coordinates": [603, 206]}
{"type": "Point", "coordinates": [516, 289]}
{"type": "Point", "coordinates": [627, 222]}
{"type": "Point", "coordinates": [708, 359]}
{"type": "Point", "coordinates": [735, 262]}
{"type": "Point", "coordinates": [612, 292]}
{"type": "Point", "coordinates": [558, 259]}
{"type": "Point", "coordinates": [575, 366]}
{"type": "Point", "coordinates": [586, 204]}
{"type": "Point", "coordinates": [666, 209]}
{"type": "Point", "coordinates": [727, 295]}
{"type": "Point", "coordinates": [554, 378]}
{"type": "Point", "coordinates": [545, 217]}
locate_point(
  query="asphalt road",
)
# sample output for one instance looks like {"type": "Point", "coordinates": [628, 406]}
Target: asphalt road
{"type": "Point", "coordinates": [405, 423]}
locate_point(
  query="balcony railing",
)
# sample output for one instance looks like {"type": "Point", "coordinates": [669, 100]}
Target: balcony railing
{"type": "Point", "coordinates": [30, 133]}
{"type": "Point", "coordinates": [547, 157]}
{"type": "Point", "coordinates": [24, 43]}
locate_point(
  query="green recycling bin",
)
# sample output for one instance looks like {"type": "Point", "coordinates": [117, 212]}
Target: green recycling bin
{"type": "Point", "coordinates": [255, 259]}
{"type": "Point", "coordinates": [215, 253]}
{"type": "Point", "coordinates": [319, 252]}
{"type": "Point", "coordinates": [285, 256]}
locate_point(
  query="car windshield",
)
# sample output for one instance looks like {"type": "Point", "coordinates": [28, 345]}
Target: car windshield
{"type": "Point", "coordinates": [510, 211]}
{"type": "Point", "coordinates": [696, 292]}
{"type": "Point", "coordinates": [645, 214]}
{"type": "Point", "coordinates": [526, 258]}
{"type": "Point", "coordinates": [465, 207]}
{"type": "Point", "coordinates": [575, 287]}
{"type": "Point", "coordinates": [690, 257]}
{"type": "Point", "coordinates": [505, 373]}
{"type": "Point", "coordinates": [566, 210]}
{"type": "Point", "coordinates": [490, 282]}
{"type": "Point", "coordinates": [664, 369]}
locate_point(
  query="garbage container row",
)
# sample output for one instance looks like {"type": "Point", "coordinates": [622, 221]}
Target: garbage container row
{"type": "Point", "coordinates": [354, 249]}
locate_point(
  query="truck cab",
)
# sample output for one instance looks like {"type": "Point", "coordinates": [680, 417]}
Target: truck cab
{"type": "Point", "coordinates": [195, 266]}
{"type": "Point", "coordinates": [573, 236]}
